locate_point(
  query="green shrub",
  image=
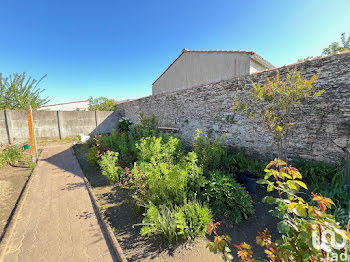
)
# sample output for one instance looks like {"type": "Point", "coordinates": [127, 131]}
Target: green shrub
{"type": "Point", "coordinates": [227, 198]}
{"type": "Point", "coordinates": [10, 156]}
{"type": "Point", "coordinates": [327, 179]}
{"type": "Point", "coordinates": [122, 143]}
{"type": "Point", "coordinates": [237, 163]}
{"type": "Point", "coordinates": [176, 224]}
{"type": "Point", "coordinates": [159, 149]}
{"type": "Point", "coordinates": [92, 156]}
{"type": "Point", "coordinates": [124, 124]}
{"type": "Point", "coordinates": [109, 168]}
{"type": "Point", "coordinates": [148, 127]}
{"type": "Point", "coordinates": [210, 153]}
{"type": "Point", "coordinates": [164, 183]}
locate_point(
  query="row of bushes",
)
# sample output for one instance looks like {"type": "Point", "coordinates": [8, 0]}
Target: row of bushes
{"type": "Point", "coordinates": [165, 180]}
{"type": "Point", "coordinates": [178, 191]}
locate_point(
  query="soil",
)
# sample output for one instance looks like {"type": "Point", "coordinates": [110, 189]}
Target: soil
{"type": "Point", "coordinates": [12, 180]}
{"type": "Point", "coordinates": [122, 215]}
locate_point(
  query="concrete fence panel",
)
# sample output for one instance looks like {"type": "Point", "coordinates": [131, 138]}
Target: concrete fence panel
{"type": "Point", "coordinates": [54, 124]}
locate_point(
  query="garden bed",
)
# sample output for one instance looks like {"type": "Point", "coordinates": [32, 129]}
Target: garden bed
{"type": "Point", "coordinates": [12, 181]}
{"type": "Point", "coordinates": [123, 214]}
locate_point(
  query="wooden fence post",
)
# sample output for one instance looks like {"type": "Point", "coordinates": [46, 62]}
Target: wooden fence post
{"type": "Point", "coordinates": [32, 138]}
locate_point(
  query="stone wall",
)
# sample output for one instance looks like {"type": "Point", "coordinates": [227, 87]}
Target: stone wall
{"type": "Point", "coordinates": [55, 124]}
{"type": "Point", "coordinates": [318, 134]}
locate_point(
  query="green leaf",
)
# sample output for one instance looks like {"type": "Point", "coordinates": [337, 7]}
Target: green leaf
{"type": "Point", "coordinates": [300, 210]}
{"type": "Point", "coordinates": [262, 182]}
{"type": "Point", "coordinates": [270, 188]}
{"type": "Point", "coordinates": [300, 183]}
{"type": "Point", "coordinates": [269, 199]}
{"type": "Point", "coordinates": [283, 227]}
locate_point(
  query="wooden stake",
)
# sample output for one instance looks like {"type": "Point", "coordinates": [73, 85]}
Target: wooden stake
{"type": "Point", "coordinates": [32, 138]}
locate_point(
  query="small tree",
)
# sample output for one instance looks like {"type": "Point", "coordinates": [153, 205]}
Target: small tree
{"type": "Point", "coordinates": [336, 47]}
{"type": "Point", "coordinates": [17, 91]}
{"type": "Point", "coordinates": [102, 104]}
{"type": "Point", "coordinates": [274, 101]}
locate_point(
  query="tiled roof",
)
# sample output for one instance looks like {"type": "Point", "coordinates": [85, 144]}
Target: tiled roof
{"type": "Point", "coordinates": [253, 55]}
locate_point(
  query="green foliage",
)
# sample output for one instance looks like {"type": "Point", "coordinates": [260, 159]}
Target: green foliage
{"type": "Point", "coordinates": [109, 167]}
{"type": "Point", "coordinates": [336, 47]}
{"type": "Point", "coordinates": [93, 156]}
{"type": "Point", "coordinates": [166, 183]}
{"type": "Point", "coordinates": [159, 149]}
{"type": "Point", "coordinates": [238, 163]}
{"type": "Point", "coordinates": [10, 156]}
{"type": "Point", "coordinates": [220, 243]}
{"type": "Point", "coordinates": [210, 153]}
{"type": "Point", "coordinates": [17, 92]}
{"type": "Point", "coordinates": [227, 198]}
{"type": "Point", "coordinates": [148, 127]}
{"type": "Point", "coordinates": [102, 104]}
{"type": "Point", "coordinates": [274, 101]}
{"type": "Point", "coordinates": [213, 155]}
{"type": "Point", "coordinates": [327, 179]}
{"type": "Point", "coordinates": [300, 224]}
{"type": "Point", "coordinates": [123, 143]}
{"type": "Point", "coordinates": [179, 223]}
{"type": "Point", "coordinates": [124, 125]}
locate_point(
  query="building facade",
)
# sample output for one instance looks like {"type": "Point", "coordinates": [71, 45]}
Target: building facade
{"type": "Point", "coordinates": [194, 68]}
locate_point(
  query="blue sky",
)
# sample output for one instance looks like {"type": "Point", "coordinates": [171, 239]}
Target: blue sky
{"type": "Point", "coordinates": [118, 48]}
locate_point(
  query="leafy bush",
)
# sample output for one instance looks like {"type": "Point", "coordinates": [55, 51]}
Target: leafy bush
{"type": "Point", "coordinates": [10, 156]}
{"type": "Point", "coordinates": [110, 170]}
{"type": "Point", "coordinates": [122, 143]}
{"type": "Point", "coordinates": [124, 125]}
{"type": "Point", "coordinates": [301, 223]}
{"type": "Point", "coordinates": [148, 127]}
{"type": "Point", "coordinates": [227, 198]}
{"type": "Point", "coordinates": [92, 156]}
{"type": "Point", "coordinates": [237, 163]}
{"type": "Point", "coordinates": [327, 179]}
{"type": "Point", "coordinates": [176, 224]}
{"type": "Point", "coordinates": [160, 149]}
{"type": "Point", "coordinates": [210, 153]}
{"type": "Point", "coordinates": [164, 183]}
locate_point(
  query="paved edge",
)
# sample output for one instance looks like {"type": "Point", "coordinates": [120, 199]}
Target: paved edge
{"type": "Point", "coordinates": [107, 228]}
{"type": "Point", "coordinates": [11, 221]}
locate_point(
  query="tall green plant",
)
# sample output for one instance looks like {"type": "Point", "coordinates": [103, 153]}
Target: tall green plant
{"type": "Point", "coordinates": [165, 183]}
{"type": "Point", "coordinates": [18, 91]}
{"type": "Point", "coordinates": [178, 223]}
{"type": "Point", "coordinates": [210, 152]}
{"type": "Point", "coordinates": [159, 149]}
{"type": "Point", "coordinates": [226, 198]}
{"type": "Point", "coordinates": [274, 101]}
{"type": "Point", "coordinates": [109, 167]}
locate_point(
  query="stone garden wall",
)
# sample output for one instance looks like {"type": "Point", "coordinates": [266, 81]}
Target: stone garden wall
{"type": "Point", "coordinates": [318, 134]}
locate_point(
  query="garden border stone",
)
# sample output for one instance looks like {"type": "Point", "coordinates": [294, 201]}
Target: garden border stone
{"type": "Point", "coordinates": [101, 217]}
{"type": "Point", "coordinates": [14, 213]}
